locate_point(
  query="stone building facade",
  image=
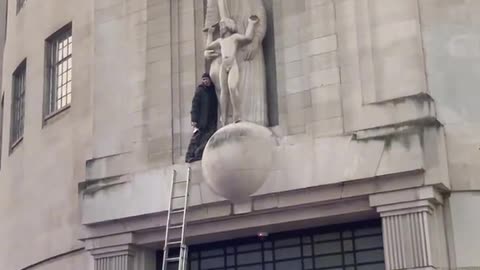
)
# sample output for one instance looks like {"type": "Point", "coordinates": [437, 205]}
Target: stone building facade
{"type": "Point", "coordinates": [373, 104]}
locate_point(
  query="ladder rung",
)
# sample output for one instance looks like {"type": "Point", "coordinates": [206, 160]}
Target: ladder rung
{"type": "Point", "coordinates": [178, 197]}
{"type": "Point", "coordinates": [178, 242]}
{"type": "Point", "coordinates": [180, 182]}
{"type": "Point", "coordinates": [178, 211]}
{"type": "Point", "coordinates": [173, 259]}
{"type": "Point", "coordinates": [175, 227]}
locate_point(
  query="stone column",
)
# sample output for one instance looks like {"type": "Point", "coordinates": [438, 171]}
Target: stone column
{"type": "Point", "coordinates": [118, 258]}
{"type": "Point", "coordinates": [114, 253]}
{"type": "Point", "coordinates": [413, 228]}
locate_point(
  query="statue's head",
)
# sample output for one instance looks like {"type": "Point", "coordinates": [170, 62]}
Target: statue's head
{"type": "Point", "coordinates": [227, 25]}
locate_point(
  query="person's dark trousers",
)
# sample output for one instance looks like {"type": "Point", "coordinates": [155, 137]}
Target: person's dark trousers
{"type": "Point", "coordinates": [197, 144]}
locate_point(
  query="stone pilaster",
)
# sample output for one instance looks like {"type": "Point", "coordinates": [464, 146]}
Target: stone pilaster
{"type": "Point", "coordinates": [117, 258]}
{"type": "Point", "coordinates": [118, 253]}
{"type": "Point", "coordinates": [413, 228]}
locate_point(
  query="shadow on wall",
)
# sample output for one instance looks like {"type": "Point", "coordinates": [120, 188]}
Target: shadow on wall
{"type": "Point", "coordinates": [270, 66]}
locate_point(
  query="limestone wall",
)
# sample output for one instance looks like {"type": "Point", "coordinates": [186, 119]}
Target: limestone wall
{"type": "Point", "coordinates": [452, 51]}
{"type": "Point", "coordinates": [39, 206]}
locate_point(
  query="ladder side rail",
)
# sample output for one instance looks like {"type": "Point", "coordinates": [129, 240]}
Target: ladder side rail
{"type": "Point", "coordinates": [165, 246]}
{"type": "Point", "coordinates": [184, 221]}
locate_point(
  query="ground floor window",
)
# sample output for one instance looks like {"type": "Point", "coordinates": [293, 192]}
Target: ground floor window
{"type": "Point", "coordinates": [357, 246]}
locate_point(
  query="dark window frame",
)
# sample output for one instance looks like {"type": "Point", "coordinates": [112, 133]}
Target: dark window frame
{"type": "Point", "coordinates": [307, 242]}
{"type": "Point", "coordinates": [58, 72]}
{"type": "Point", "coordinates": [17, 111]}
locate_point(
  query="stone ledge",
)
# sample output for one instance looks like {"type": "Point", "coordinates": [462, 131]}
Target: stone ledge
{"type": "Point", "coordinates": [331, 195]}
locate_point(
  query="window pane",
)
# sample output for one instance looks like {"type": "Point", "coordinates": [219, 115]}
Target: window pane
{"type": "Point", "coordinates": [64, 77]}
{"type": "Point", "coordinates": [289, 265]}
{"type": "Point", "coordinates": [347, 234]}
{"type": "Point", "coordinates": [212, 263]}
{"type": "Point", "coordinates": [369, 242]}
{"type": "Point", "coordinates": [347, 245]}
{"type": "Point", "coordinates": [65, 52]}
{"type": "Point", "coordinates": [250, 247]}
{"type": "Point", "coordinates": [287, 253]}
{"type": "Point", "coordinates": [328, 261]}
{"type": "Point", "coordinates": [379, 266]}
{"type": "Point", "coordinates": [268, 254]}
{"type": "Point", "coordinates": [348, 258]}
{"type": "Point", "coordinates": [251, 267]}
{"type": "Point", "coordinates": [231, 260]}
{"type": "Point", "coordinates": [211, 252]}
{"type": "Point", "coordinates": [369, 256]}
{"type": "Point", "coordinates": [69, 87]}
{"type": "Point", "coordinates": [308, 264]}
{"type": "Point", "coordinates": [287, 242]}
{"type": "Point", "coordinates": [193, 265]}
{"type": "Point", "coordinates": [368, 231]}
{"type": "Point", "coordinates": [327, 247]}
{"type": "Point", "coordinates": [326, 236]}
{"type": "Point", "coordinates": [307, 250]}
{"type": "Point", "coordinates": [247, 258]}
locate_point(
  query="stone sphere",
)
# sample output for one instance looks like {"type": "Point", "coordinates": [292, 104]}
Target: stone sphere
{"type": "Point", "coordinates": [237, 160]}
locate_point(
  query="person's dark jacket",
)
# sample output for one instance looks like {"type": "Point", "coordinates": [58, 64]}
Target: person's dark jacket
{"type": "Point", "coordinates": [205, 107]}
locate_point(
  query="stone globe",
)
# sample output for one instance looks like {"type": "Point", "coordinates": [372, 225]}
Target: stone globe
{"type": "Point", "coordinates": [237, 160]}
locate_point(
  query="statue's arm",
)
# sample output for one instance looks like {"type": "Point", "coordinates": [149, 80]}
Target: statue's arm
{"type": "Point", "coordinates": [259, 33]}
{"type": "Point", "coordinates": [213, 45]}
{"type": "Point", "coordinates": [250, 32]}
{"type": "Point", "coordinates": [261, 25]}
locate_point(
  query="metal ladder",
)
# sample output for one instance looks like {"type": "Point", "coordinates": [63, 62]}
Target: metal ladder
{"type": "Point", "coordinates": [176, 199]}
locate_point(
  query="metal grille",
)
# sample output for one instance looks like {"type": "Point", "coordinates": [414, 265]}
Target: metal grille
{"type": "Point", "coordinates": [356, 246]}
{"type": "Point", "coordinates": [20, 4]}
{"type": "Point", "coordinates": [59, 71]}
{"type": "Point", "coordinates": [18, 104]}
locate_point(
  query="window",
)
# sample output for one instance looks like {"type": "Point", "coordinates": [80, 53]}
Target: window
{"type": "Point", "coordinates": [20, 4]}
{"type": "Point", "coordinates": [18, 104]}
{"type": "Point", "coordinates": [59, 71]}
{"type": "Point", "coordinates": [357, 246]}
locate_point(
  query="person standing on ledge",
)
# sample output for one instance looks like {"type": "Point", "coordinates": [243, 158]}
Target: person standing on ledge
{"type": "Point", "coordinates": [204, 115]}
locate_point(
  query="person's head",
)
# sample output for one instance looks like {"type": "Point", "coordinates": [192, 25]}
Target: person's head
{"type": "Point", "coordinates": [227, 25]}
{"type": "Point", "coordinates": [206, 79]}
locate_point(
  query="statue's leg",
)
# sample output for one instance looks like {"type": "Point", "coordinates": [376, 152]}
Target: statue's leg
{"type": "Point", "coordinates": [233, 81]}
{"type": "Point", "coordinates": [224, 95]}
{"type": "Point", "coordinates": [215, 75]}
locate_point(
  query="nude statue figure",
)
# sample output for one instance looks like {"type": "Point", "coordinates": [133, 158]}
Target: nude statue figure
{"type": "Point", "coordinates": [229, 42]}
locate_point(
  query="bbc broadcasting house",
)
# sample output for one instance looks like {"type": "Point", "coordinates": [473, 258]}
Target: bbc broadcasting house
{"type": "Point", "coordinates": [373, 105]}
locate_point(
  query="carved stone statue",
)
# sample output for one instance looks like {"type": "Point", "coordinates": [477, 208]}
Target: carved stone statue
{"type": "Point", "coordinates": [229, 43]}
{"type": "Point", "coordinates": [249, 100]}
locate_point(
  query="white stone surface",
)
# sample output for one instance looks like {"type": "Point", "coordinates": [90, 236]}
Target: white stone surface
{"type": "Point", "coordinates": [464, 221]}
{"type": "Point", "coordinates": [238, 159]}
